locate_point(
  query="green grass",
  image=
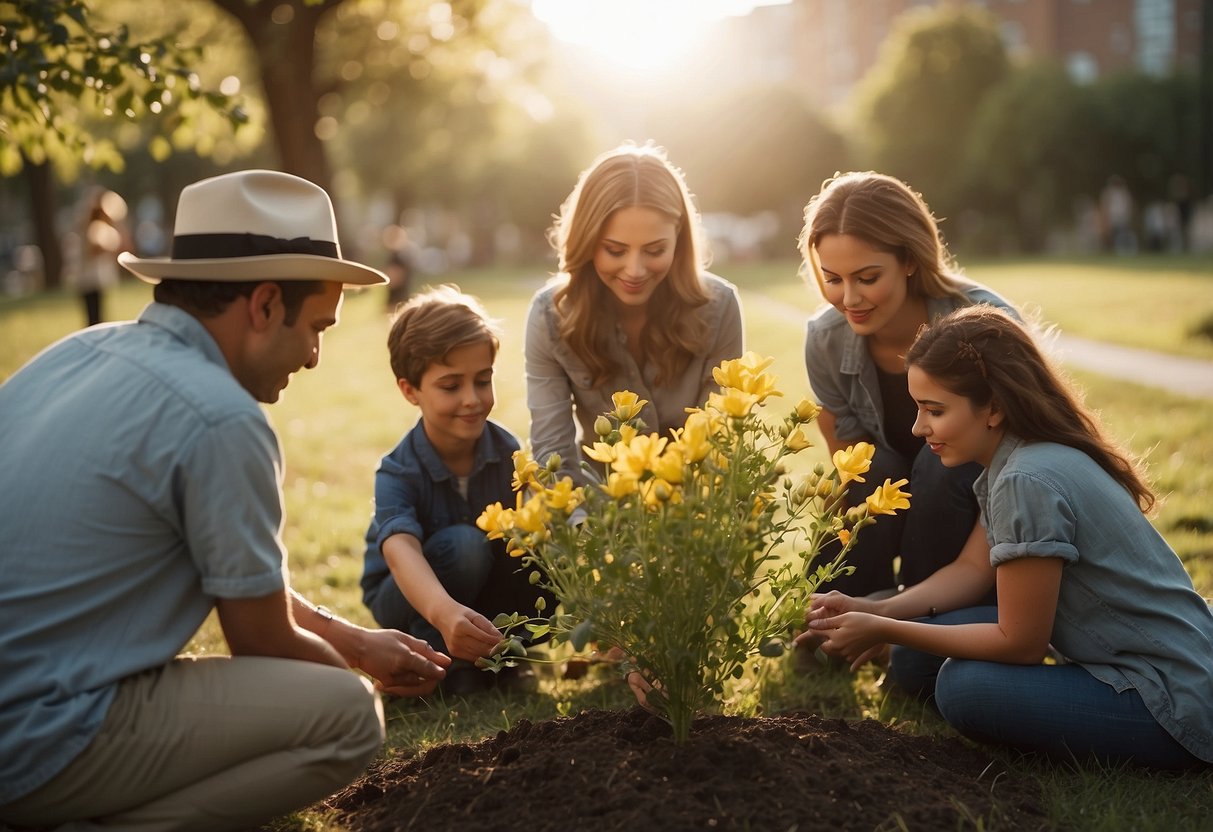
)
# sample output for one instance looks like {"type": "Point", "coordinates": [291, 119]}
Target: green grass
{"type": "Point", "coordinates": [337, 421]}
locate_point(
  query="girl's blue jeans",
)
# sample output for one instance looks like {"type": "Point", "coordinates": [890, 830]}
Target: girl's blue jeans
{"type": "Point", "coordinates": [1059, 710]}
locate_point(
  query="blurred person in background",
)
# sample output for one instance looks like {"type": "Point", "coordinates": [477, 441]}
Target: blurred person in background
{"type": "Point", "coordinates": [102, 236]}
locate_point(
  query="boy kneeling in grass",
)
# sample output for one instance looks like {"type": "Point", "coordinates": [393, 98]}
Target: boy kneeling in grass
{"type": "Point", "coordinates": [428, 570]}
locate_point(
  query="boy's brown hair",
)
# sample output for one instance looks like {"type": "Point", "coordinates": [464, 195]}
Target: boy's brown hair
{"type": "Point", "coordinates": [432, 324]}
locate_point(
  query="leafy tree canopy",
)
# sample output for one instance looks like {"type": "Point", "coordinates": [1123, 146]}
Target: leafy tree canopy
{"type": "Point", "coordinates": [917, 104]}
{"type": "Point", "coordinates": [59, 72]}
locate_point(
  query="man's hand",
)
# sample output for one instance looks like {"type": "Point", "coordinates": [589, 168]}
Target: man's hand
{"type": "Point", "coordinates": [400, 664]}
{"type": "Point", "coordinates": [467, 633]}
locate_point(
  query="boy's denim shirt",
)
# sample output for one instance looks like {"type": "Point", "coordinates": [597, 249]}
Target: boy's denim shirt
{"type": "Point", "coordinates": [1127, 611]}
{"type": "Point", "coordinates": [843, 376]}
{"type": "Point", "coordinates": [416, 494]}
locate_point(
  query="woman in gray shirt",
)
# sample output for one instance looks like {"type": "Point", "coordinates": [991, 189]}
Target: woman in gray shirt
{"type": "Point", "coordinates": [1077, 563]}
{"type": "Point", "coordinates": [631, 308]}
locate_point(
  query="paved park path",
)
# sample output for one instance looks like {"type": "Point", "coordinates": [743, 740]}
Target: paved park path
{"type": "Point", "coordinates": [1185, 376]}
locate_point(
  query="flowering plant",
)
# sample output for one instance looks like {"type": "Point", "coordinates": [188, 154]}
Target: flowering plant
{"type": "Point", "coordinates": [674, 556]}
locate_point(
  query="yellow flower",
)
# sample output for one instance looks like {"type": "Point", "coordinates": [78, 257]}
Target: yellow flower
{"type": "Point", "coordinates": [531, 516]}
{"type": "Point", "coordinates": [619, 485]}
{"type": "Point", "coordinates": [797, 441]}
{"type": "Point", "coordinates": [600, 452]}
{"type": "Point", "coordinates": [627, 433]}
{"type": "Point", "coordinates": [732, 402]}
{"type": "Point", "coordinates": [888, 498]}
{"type": "Point", "coordinates": [563, 496]}
{"type": "Point", "coordinates": [627, 405]}
{"type": "Point", "coordinates": [669, 465]}
{"type": "Point", "coordinates": [657, 491]}
{"type": "Point", "coordinates": [853, 462]}
{"type": "Point", "coordinates": [692, 438]}
{"type": "Point", "coordinates": [807, 410]}
{"type": "Point", "coordinates": [525, 469]}
{"type": "Point", "coordinates": [494, 520]}
{"type": "Point", "coordinates": [844, 536]}
{"type": "Point", "coordinates": [640, 455]}
{"type": "Point", "coordinates": [747, 375]}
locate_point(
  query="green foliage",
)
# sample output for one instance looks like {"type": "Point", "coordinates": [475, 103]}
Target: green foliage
{"type": "Point", "coordinates": [676, 561]}
{"type": "Point", "coordinates": [57, 68]}
{"type": "Point", "coordinates": [1028, 154]}
{"type": "Point", "coordinates": [1148, 128]}
{"type": "Point", "coordinates": [919, 102]}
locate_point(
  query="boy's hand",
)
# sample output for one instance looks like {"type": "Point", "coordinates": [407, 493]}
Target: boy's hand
{"type": "Point", "coordinates": [467, 633]}
{"type": "Point", "coordinates": [400, 664]}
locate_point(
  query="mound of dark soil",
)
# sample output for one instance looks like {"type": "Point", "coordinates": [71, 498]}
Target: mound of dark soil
{"type": "Point", "coordinates": [607, 770]}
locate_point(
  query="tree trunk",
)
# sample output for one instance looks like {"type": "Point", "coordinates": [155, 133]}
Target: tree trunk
{"type": "Point", "coordinates": [41, 183]}
{"type": "Point", "coordinates": [286, 54]}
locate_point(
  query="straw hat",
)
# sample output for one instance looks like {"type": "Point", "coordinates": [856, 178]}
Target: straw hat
{"type": "Point", "coordinates": [254, 225]}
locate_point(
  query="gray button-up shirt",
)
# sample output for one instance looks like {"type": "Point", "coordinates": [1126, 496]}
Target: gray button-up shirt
{"type": "Point", "coordinates": [1127, 611]}
{"type": "Point", "coordinates": [560, 392]}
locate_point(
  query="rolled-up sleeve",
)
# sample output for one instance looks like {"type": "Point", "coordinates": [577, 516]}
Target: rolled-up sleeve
{"type": "Point", "coordinates": [231, 492]}
{"type": "Point", "coordinates": [1036, 520]}
{"type": "Point", "coordinates": [396, 499]}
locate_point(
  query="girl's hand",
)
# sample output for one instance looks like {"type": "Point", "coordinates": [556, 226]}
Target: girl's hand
{"type": "Point", "coordinates": [854, 636]}
{"type": "Point", "coordinates": [832, 603]}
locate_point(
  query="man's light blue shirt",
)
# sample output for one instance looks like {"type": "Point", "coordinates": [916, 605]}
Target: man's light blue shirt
{"type": "Point", "coordinates": [1127, 611]}
{"type": "Point", "coordinates": [140, 482]}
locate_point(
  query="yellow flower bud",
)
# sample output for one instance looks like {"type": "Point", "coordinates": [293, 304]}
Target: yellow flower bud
{"type": "Point", "coordinates": [807, 410]}
{"type": "Point", "coordinates": [602, 426]}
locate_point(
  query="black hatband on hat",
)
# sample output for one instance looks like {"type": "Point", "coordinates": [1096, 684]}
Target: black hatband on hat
{"type": "Point", "coordinates": [215, 246]}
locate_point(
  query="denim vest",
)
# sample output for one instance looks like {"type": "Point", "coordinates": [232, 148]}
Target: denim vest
{"type": "Point", "coordinates": [843, 376]}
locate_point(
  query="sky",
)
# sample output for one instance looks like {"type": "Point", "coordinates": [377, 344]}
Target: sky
{"type": "Point", "coordinates": [638, 34]}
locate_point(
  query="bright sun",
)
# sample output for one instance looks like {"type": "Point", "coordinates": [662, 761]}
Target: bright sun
{"type": "Point", "coordinates": [639, 34]}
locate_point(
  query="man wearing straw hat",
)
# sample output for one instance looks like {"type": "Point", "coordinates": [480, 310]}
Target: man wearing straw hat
{"type": "Point", "coordinates": [141, 489]}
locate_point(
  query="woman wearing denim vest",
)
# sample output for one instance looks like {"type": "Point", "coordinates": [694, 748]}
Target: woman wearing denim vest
{"type": "Point", "coordinates": [876, 253]}
{"type": "Point", "coordinates": [1078, 566]}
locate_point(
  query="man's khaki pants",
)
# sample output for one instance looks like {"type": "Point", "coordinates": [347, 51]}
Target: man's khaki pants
{"type": "Point", "coordinates": [212, 744]}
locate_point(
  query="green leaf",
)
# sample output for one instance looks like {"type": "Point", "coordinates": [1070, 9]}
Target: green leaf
{"type": "Point", "coordinates": [772, 649]}
{"type": "Point", "coordinates": [581, 635]}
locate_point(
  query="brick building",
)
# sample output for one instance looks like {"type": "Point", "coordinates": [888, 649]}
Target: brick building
{"type": "Point", "coordinates": [839, 39]}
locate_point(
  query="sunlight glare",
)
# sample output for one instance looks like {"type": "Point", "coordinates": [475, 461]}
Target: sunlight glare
{"type": "Point", "coordinates": [639, 34]}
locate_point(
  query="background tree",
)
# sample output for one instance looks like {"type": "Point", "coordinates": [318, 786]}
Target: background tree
{"type": "Point", "coordinates": [753, 150]}
{"type": "Point", "coordinates": [58, 73]}
{"type": "Point", "coordinates": [915, 108]}
{"type": "Point", "coordinates": [1027, 158]}
{"type": "Point", "coordinates": [1148, 129]}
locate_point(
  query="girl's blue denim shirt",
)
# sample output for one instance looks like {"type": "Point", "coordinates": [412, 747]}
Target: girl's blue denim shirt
{"type": "Point", "coordinates": [1127, 611]}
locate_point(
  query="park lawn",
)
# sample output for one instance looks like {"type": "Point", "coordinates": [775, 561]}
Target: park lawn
{"type": "Point", "coordinates": [337, 421]}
